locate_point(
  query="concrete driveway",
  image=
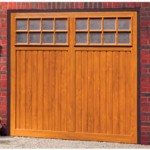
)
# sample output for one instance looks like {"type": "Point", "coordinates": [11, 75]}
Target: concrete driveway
{"type": "Point", "coordinates": [22, 142]}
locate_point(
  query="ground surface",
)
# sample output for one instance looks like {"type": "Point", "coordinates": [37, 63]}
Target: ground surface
{"type": "Point", "coordinates": [22, 142]}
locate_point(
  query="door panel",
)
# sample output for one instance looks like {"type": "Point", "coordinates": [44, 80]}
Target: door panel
{"type": "Point", "coordinates": [42, 86]}
{"type": "Point", "coordinates": [85, 90]}
{"type": "Point", "coordinates": [107, 104]}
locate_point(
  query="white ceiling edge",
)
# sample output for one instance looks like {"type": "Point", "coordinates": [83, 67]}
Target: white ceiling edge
{"type": "Point", "coordinates": [74, 1]}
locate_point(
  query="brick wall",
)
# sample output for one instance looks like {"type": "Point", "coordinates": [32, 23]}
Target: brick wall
{"type": "Point", "coordinates": [144, 51]}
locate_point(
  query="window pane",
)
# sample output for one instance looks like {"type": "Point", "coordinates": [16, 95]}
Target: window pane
{"type": "Point", "coordinates": [124, 38]}
{"type": "Point", "coordinates": [81, 24]}
{"type": "Point", "coordinates": [34, 24]}
{"type": "Point", "coordinates": [21, 24]}
{"type": "Point", "coordinates": [61, 37]}
{"type": "Point", "coordinates": [95, 24]}
{"type": "Point", "coordinates": [47, 24]}
{"type": "Point", "coordinates": [47, 37]}
{"type": "Point", "coordinates": [81, 38]}
{"type": "Point", "coordinates": [61, 24]}
{"type": "Point", "coordinates": [123, 24]}
{"type": "Point", "coordinates": [21, 38]}
{"type": "Point", "coordinates": [34, 37]}
{"type": "Point", "coordinates": [109, 38]}
{"type": "Point", "coordinates": [95, 37]}
{"type": "Point", "coordinates": [109, 24]}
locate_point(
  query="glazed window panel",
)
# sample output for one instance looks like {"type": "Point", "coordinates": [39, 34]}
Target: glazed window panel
{"type": "Point", "coordinates": [61, 38]}
{"type": "Point", "coordinates": [47, 24]}
{"type": "Point", "coordinates": [61, 24]}
{"type": "Point", "coordinates": [109, 24]}
{"type": "Point", "coordinates": [47, 38]}
{"type": "Point", "coordinates": [39, 31]}
{"type": "Point", "coordinates": [103, 31]}
{"type": "Point", "coordinates": [34, 24]}
{"type": "Point", "coordinates": [81, 38]}
{"type": "Point", "coordinates": [81, 24]}
{"type": "Point", "coordinates": [95, 24]}
{"type": "Point", "coordinates": [109, 38]}
{"type": "Point", "coordinates": [34, 37]}
{"type": "Point", "coordinates": [124, 38]}
{"type": "Point", "coordinates": [21, 38]}
{"type": "Point", "coordinates": [98, 30]}
{"type": "Point", "coordinates": [21, 24]}
{"type": "Point", "coordinates": [123, 24]}
{"type": "Point", "coordinates": [95, 38]}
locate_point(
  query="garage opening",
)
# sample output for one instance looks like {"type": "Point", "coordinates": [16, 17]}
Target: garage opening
{"type": "Point", "coordinates": [74, 75]}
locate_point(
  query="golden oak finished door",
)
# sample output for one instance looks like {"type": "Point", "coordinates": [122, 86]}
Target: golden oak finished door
{"type": "Point", "coordinates": [74, 75]}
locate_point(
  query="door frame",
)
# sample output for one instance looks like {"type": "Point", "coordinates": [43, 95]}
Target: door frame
{"type": "Point", "coordinates": [76, 10]}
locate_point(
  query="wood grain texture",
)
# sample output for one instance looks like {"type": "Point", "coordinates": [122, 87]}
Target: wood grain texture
{"type": "Point", "coordinates": [122, 97]}
{"type": "Point", "coordinates": [84, 93]}
{"type": "Point", "coordinates": [64, 90]}
{"type": "Point", "coordinates": [52, 91]}
{"type": "Point", "coordinates": [34, 82]}
{"type": "Point", "coordinates": [28, 90]}
{"type": "Point", "coordinates": [71, 120]}
{"type": "Point", "coordinates": [115, 89]}
{"type": "Point", "coordinates": [40, 89]}
{"type": "Point", "coordinates": [22, 90]}
{"type": "Point", "coordinates": [75, 92]}
{"type": "Point", "coordinates": [46, 90]}
{"type": "Point", "coordinates": [57, 92]}
{"type": "Point", "coordinates": [109, 99]}
{"type": "Point", "coordinates": [128, 92]}
{"type": "Point", "coordinates": [13, 78]}
{"type": "Point", "coordinates": [90, 90]}
{"type": "Point", "coordinates": [103, 87]}
{"type": "Point", "coordinates": [78, 92]}
{"type": "Point", "coordinates": [96, 97]}
{"type": "Point", "coordinates": [18, 91]}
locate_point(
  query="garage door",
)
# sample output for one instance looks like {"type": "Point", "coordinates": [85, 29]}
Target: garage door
{"type": "Point", "coordinates": [74, 75]}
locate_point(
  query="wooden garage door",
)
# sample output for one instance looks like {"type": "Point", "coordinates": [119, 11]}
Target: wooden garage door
{"type": "Point", "coordinates": [74, 75]}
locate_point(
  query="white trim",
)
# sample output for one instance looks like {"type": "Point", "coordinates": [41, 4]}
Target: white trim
{"type": "Point", "coordinates": [74, 1]}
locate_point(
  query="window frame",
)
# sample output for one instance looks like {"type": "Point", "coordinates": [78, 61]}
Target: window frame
{"type": "Point", "coordinates": [102, 31]}
{"type": "Point", "coordinates": [54, 31]}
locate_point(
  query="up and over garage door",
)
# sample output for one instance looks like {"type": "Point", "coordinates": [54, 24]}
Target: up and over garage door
{"type": "Point", "coordinates": [74, 75]}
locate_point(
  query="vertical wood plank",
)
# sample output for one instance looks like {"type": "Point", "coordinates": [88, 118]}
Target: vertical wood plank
{"type": "Point", "coordinates": [103, 86]}
{"type": "Point", "coordinates": [60, 89]}
{"type": "Point", "coordinates": [90, 92]}
{"type": "Point", "coordinates": [78, 92]}
{"type": "Point", "coordinates": [109, 92]}
{"type": "Point", "coordinates": [28, 91]}
{"type": "Point", "coordinates": [18, 91]}
{"type": "Point", "coordinates": [64, 91]}
{"type": "Point", "coordinates": [57, 92]}
{"type": "Point", "coordinates": [49, 102]}
{"type": "Point", "coordinates": [40, 89]}
{"type": "Point", "coordinates": [22, 89]}
{"type": "Point", "coordinates": [122, 92]}
{"type": "Point", "coordinates": [46, 90]}
{"type": "Point", "coordinates": [96, 93]}
{"type": "Point", "coordinates": [128, 90]}
{"type": "Point", "coordinates": [52, 91]}
{"type": "Point", "coordinates": [34, 89]}
{"type": "Point", "coordinates": [84, 92]}
{"type": "Point", "coordinates": [115, 82]}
